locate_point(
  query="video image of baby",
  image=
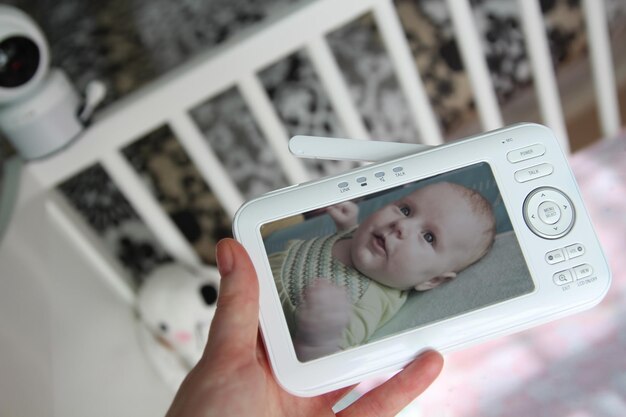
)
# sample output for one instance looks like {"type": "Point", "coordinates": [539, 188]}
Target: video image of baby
{"type": "Point", "coordinates": [338, 289]}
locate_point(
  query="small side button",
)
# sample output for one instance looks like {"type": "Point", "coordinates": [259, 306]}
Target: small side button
{"type": "Point", "coordinates": [555, 256]}
{"type": "Point", "coordinates": [563, 277]}
{"type": "Point", "coordinates": [526, 153]}
{"type": "Point", "coordinates": [583, 271]}
{"type": "Point", "coordinates": [574, 251]}
{"type": "Point", "coordinates": [533, 172]}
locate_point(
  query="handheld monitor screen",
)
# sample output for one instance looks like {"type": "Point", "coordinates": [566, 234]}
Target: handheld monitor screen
{"type": "Point", "coordinates": [395, 261]}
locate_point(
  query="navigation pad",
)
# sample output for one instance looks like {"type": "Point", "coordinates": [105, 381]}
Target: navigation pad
{"type": "Point", "coordinates": [549, 213]}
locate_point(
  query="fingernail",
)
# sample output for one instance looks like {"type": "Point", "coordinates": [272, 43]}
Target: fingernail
{"type": "Point", "coordinates": [224, 257]}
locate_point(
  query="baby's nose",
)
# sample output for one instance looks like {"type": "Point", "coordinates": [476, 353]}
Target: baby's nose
{"type": "Point", "coordinates": [400, 229]}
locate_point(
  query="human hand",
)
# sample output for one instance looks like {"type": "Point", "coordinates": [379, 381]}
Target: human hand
{"type": "Point", "coordinates": [321, 320]}
{"type": "Point", "coordinates": [233, 378]}
{"type": "Point", "coordinates": [345, 215]}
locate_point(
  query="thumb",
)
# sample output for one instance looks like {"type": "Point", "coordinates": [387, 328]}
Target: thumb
{"type": "Point", "coordinates": [234, 328]}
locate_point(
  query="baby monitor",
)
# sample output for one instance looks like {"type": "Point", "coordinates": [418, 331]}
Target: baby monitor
{"type": "Point", "coordinates": [427, 248]}
{"type": "Point", "coordinates": [40, 110]}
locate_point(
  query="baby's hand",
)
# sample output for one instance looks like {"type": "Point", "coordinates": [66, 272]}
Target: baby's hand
{"type": "Point", "coordinates": [321, 320]}
{"type": "Point", "coordinates": [344, 214]}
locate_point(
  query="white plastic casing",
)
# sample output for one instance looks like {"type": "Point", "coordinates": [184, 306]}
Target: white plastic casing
{"type": "Point", "coordinates": [547, 302]}
{"type": "Point", "coordinates": [45, 121]}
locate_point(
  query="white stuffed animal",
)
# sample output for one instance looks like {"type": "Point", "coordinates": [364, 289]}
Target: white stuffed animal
{"type": "Point", "coordinates": [177, 305]}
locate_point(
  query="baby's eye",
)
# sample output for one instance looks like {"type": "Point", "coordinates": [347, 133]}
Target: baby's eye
{"type": "Point", "coordinates": [429, 237]}
{"type": "Point", "coordinates": [405, 210]}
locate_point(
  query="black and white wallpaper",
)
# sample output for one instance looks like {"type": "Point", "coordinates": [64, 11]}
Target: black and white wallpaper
{"type": "Point", "coordinates": [127, 43]}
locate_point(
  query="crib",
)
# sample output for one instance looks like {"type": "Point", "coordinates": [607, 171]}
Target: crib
{"type": "Point", "coordinates": [54, 361]}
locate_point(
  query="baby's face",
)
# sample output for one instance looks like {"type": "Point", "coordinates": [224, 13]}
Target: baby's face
{"type": "Point", "coordinates": [428, 234]}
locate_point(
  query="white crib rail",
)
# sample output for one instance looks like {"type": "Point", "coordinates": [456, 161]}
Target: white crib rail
{"type": "Point", "coordinates": [146, 206]}
{"type": "Point", "coordinates": [204, 77]}
{"type": "Point", "coordinates": [602, 67]}
{"type": "Point", "coordinates": [410, 82]}
{"type": "Point", "coordinates": [327, 69]}
{"type": "Point", "coordinates": [474, 59]}
{"type": "Point", "coordinates": [543, 73]}
{"type": "Point", "coordinates": [275, 132]}
{"type": "Point", "coordinates": [167, 101]}
{"type": "Point", "coordinates": [79, 232]}
{"type": "Point", "coordinates": [208, 164]}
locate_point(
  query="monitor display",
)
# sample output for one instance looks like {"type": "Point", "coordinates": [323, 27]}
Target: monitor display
{"type": "Point", "coordinates": [394, 261]}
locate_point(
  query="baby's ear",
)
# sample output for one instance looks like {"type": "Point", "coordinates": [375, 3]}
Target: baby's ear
{"type": "Point", "coordinates": [435, 282]}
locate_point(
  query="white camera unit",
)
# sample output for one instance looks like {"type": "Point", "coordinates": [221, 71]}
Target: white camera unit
{"type": "Point", "coordinates": [38, 105]}
{"type": "Point", "coordinates": [401, 278]}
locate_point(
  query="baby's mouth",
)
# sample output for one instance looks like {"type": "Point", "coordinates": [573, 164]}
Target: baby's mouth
{"type": "Point", "coordinates": [379, 244]}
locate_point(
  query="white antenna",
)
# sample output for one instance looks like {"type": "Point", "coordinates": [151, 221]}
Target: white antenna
{"type": "Point", "coordinates": [95, 93]}
{"type": "Point", "coordinates": [317, 147]}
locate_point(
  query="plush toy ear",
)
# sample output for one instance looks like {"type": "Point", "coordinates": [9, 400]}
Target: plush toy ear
{"type": "Point", "coordinates": [435, 282]}
{"type": "Point", "coordinates": [209, 294]}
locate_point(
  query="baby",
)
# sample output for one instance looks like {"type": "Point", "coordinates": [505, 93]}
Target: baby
{"type": "Point", "coordinates": [338, 290]}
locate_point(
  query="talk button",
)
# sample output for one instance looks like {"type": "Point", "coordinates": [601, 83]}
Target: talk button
{"type": "Point", "coordinates": [533, 172]}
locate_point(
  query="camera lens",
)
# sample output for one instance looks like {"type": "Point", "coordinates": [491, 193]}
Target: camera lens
{"type": "Point", "coordinates": [19, 60]}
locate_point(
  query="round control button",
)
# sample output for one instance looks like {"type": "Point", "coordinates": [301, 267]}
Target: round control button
{"type": "Point", "coordinates": [544, 224]}
{"type": "Point", "coordinates": [549, 212]}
